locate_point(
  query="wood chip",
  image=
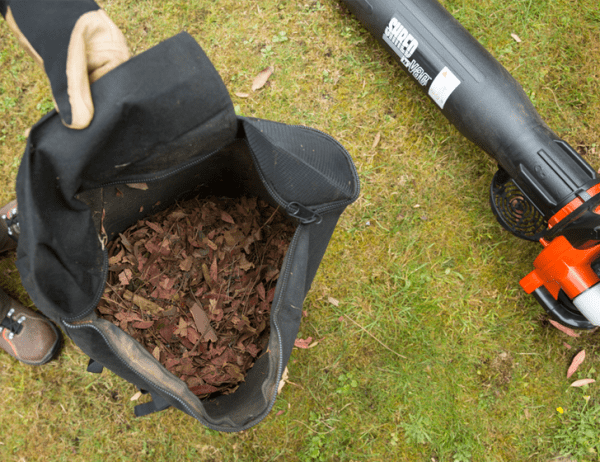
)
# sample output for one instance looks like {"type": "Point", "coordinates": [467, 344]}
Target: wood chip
{"type": "Point", "coordinates": [204, 273]}
{"type": "Point", "coordinates": [143, 303]}
{"type": "Point", "coordinates": [203, 323]}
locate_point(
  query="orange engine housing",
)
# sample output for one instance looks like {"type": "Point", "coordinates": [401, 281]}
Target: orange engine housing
{"type": "Point", "coordinates": [562, 266]}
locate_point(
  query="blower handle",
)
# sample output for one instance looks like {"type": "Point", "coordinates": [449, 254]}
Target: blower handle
{"type": "Point", "coordinates": [479, 97]}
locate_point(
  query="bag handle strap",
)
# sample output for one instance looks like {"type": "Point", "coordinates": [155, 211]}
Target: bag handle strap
{"type": "Point", "coordinates": [94, 367]}
{"type": "Point", "coordinates": [157, 404]}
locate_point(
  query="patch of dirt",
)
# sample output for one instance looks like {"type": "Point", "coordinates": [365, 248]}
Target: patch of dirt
{"type": "Point", "coordinates": [497, 372]}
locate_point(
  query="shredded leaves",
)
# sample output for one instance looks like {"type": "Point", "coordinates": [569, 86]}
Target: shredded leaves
{"type": "Point", "coordinates": [194, 285]}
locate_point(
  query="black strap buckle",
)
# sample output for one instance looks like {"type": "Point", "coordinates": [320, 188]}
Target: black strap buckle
{"type": "Point", "coordinates": [304, 214]}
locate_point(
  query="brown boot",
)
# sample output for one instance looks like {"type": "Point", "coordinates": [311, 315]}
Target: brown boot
{"type": "Point", "coordinates": [25, 334]}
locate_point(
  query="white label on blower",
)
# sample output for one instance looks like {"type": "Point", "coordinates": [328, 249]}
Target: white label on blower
{"type": "Point", "coordinates": [588, 302]}
{"type": "Point", "coordinates": [442, 86]}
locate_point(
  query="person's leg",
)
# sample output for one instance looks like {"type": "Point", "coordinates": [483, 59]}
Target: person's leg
{"type": "Point", "coordinates": [25, 334]}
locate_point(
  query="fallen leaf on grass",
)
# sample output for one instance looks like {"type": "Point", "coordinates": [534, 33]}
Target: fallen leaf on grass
{"type": "Point", "coordinates": [242, 95]}
{"type": "Point", "coordinates": [516, 38]}
{"type": "Point", "coordinates": [303, 343]}
{"type": "Point", "coordinates": [136, 396]}
{"type": "Point", "coordinates": [563, 329]}
{"type": "Point", "coordinates": [261, 79]}
{"type": "Point", "coordinates": [284, 377]}
{"type": "Point", "coordinates": [577, 361]}
{"type": "Point", "coordinates": [376, 140]}
{"type": "Point", "coordinates": [582, 382]}
{"type": "Point", "coordinates": [333, 301]}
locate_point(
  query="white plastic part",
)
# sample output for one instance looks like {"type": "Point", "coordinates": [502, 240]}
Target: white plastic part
{"type": "Point", "coordinates": [588, 302]}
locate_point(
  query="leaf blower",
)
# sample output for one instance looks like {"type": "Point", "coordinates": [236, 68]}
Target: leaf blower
{"type": "Point", "coordinates": [543, 190]}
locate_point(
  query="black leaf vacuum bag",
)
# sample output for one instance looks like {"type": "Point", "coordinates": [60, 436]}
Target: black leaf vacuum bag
{"type": "Point", "coordinates": [165, 119]}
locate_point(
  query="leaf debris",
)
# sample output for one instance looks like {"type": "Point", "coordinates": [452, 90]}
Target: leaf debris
{"type": "Point", "coordinates": [577, 361]}
{"type": "Point", "coordinates": [194, 285]}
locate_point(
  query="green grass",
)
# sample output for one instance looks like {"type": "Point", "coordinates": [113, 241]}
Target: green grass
{"type": "Point", "coordinates": [418, 263]}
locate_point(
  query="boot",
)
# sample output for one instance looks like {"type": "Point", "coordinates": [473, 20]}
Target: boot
{"type": "Point", "coordinates": [25, 334]}
{"type": "Point", "coordinates": [9, 227]}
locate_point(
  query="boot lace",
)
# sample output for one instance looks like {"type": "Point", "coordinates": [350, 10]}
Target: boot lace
{"type": "Point", "coordinates": [12, 223]}
{"type": "Point", "coordinates": [12, 325]}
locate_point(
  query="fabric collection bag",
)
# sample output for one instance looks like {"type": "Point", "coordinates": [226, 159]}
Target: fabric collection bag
{"type": "Point", "coordinates": [165, 118]}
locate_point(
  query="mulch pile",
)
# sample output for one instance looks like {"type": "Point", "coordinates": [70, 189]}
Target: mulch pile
{"type": "Point", "coordinates": [194, 285]}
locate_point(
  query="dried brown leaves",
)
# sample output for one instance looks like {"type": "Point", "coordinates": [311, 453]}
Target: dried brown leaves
{"type": "Point", "coordinates": [194, 285]}
{"type": "Point", "coordinates": [577, 361]}
{"type": "Point", "coordinates": [262, 78]}
{"type": "Point", "coordinates": [564, 330]}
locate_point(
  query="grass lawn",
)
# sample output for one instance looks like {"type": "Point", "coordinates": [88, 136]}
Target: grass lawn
{"type": "Point", "coordinates": [428, 350]}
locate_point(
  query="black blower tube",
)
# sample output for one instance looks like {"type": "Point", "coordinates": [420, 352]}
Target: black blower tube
{"type": "Point", "coordinates": [479, 97]}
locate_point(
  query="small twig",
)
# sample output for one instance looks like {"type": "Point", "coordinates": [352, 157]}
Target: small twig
{"type": "Point", "coordinates": [295, 384]}
{"type": "Point", "coordinates": [315, 431]}
{"type": "Point", "coordinates": [110, 300]}
{"type": "Point", "coordinates": [375, 338]}
{"type": "Point", "coordinates": [349, 404]}
{"type": "Point", "coordinates": [269, 219]}
{"type": "Point", "coordinates": [117, 294]}
{"type": "Point", "coordinates": [193, 350]}
{"type": "Point", "coordinates": [390, 372]}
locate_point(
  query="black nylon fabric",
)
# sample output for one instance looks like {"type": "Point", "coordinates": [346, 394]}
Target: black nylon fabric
{"type": "Point", "coordinates": [143, 110]}
{"type": "Point", "coordinates": [165, 118]}
{"type": "Point", "coordinates": [47, 25]}
{"type": "Point", "coordinates": [300, 163]}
